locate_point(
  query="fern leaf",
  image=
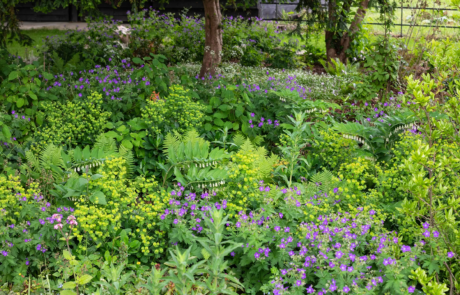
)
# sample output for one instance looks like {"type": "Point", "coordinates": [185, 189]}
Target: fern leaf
{"type": "Point", "coordinates": [128, 156]}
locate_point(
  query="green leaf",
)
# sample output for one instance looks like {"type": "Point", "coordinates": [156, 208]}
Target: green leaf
{"type": "Point", "coordinates": [109, 125]}
{"type": "Point", "coordinates": [32, 95]}
{"type": "Point", "coordinates": [47, 76]}
{"type": "Point", "coordinates": [111, 134]}
{"type": "Point", "coordinates": [127, 144]}
{"type": "Point", "coordinates": [85, 279]}
{"type": "Point", "coordinates": [96, 176]}
{"type": "Point", "coordinates": [100, 198]}
{"type": "Point", "coordinates": [225, 107]}
{"type": "Point", "coordinates": [121, 128]}
{"type": "Point", "coordinates": [220, 115]}
{"type": "Point", "coordinates": [138, 61]}
{"type": "Point", "coordinates": [67, 255]}
{"type": "Point", "coordinates": [219, 122]}
{"type": "Point", "coordinates": [40, 118]}
{"type": "Point", "coordinates": [13, 75]}
{"type": "Point", "coordinates": [69, 285]}
{"type": "Point", "coordinates": [228, 124]}
{"type": "Point", "coordinates": [77, 154]}
{"type": "Point", "coordinates": [207, 127]}
{"type": "Point", "coordinates": [20, 102]}
{"type": "Point", "coordinates": [6, 132]}
{"type": "Point", "coordinates": [67, 292]}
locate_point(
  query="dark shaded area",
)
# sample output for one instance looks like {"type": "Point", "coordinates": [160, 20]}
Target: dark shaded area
{"type": "Point", "coordinates": [25, 11]}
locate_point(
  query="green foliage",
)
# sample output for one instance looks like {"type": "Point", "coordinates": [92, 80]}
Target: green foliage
{"type": "Point", "coordinates": [296, 133]}
{"type": "Point", "coordinates": [228, 108]}
{"type": "Point", "coordinates": [176, 112]}
{"type": "Point", "coordinates": [381, 66]}
{"type": "Point", "coordinates": [72, 123]}
{"type": "Point", "coordinates": [377, 139]}
{"type": "Point", "coordinates": [192, 163]}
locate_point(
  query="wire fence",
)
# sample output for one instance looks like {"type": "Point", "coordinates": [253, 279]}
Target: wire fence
{"type": "Point", "coordinates": [401, 24]}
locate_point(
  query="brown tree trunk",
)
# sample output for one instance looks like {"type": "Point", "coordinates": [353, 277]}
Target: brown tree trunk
{"type": "Point", "coordinates": [213, 37]}
{"type": "Point", "coordinates": [335, 49]}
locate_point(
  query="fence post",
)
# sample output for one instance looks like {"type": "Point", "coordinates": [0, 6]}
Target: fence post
{"type": "Point", "coordinates": [401, 18]}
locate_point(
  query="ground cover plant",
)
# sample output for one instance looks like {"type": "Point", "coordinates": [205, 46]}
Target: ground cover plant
{"type": "Point", "coordinates": [125, 171]}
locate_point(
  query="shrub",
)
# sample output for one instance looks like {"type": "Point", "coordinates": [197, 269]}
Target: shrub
{"type": "Point", "coordinates": [176, 112]}
{"type": "Point", "coordinates": [75, 122]}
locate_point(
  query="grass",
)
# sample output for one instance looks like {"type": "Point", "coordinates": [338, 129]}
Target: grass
{"type": "Point", "coordinates": [37, 35]}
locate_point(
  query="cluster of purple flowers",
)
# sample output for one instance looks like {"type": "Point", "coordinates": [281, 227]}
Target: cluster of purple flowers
{"type": "Point", "coordinates": [262, 122]}
{"type": "Point", "coordinates": [179, 210]}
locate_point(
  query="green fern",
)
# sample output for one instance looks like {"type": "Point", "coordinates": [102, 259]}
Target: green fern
{"type": "Point", "coordinates": [191, 161]}
{"type": "Point", "coordinates": [128, 156]}
{"type": "Point", "coordinates": [49, 160]}
{"type": "Point", "coordinates": [323, 181]}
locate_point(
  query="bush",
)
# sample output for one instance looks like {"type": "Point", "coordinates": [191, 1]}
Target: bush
{"type": "Point", "coordinates": [75, 122]}
{"type": "Point", "coordinates": [176, 112]}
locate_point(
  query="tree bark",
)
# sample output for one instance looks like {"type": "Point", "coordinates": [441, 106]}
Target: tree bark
{"type": "Point", "coordinates": [213, 37]}
{"type": "Point", "coordinates": [337, 47]}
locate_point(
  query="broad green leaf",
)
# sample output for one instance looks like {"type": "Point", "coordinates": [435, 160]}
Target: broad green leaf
{"type": "Point", "coordinates": [20, 102]}
{"type": "Point", "coordinates": [40, 117]}
{"type": "Point", "coordinates": [69, 285]}
{"type": "Point", "coordinates": [100, 198]}
{"type": "Point", "coordinates": [127, 144]}
{"type": "Point", "coordinates": [32, 95]}
{"type": "Point", "coordinates": [121, 128]}
{"type": "Point", "coordinates": [218, 122]}
{"type": "Point", "coordinates": [67, 255]}
{"type": "Point", "coordinates": [13, 75]}
{"type": "Point", "coordinates": [6, 132]}
{"type": "Point", "coordinates": [84, 279]}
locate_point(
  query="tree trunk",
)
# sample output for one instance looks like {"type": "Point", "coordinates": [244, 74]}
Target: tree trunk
{"type": "Point", "coordinates": [213, 37]}
{"type": "Point", "coordinates": [336, 47]}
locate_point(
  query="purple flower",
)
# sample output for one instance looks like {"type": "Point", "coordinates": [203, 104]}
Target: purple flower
{"type": "Point", "coordinates": [346, 289]}
{"type": "Point", "coordinates": [371, 212]}
{"type": "Point", "coordinates": [238, 224]}
{"type": "Point", "coordinates": [79, 94]}
{"type": "Point", "coordinates": [411, 289]}
{"type": "Point", "coordinates": [450, 254]}
{"type": "Point", "coordinates": [338, 254]}
{"type": "Point", "coordinates": [405, 248]}
{"type": "Point", "coordinates": [252, 114]}
{"type": "Point", "coordinates": [426, 225]}
{"type": "Point", "coordinates": [435, 234]}
{"type": "Point", "coordinates": [298, 283]}
{"type": "Point", "coordinates": [426, 234]}
{"type": "Point", "coordinates": [176, 221]}
{"type": "Point", "coordinates": [280, 215]}
{"type": "Point", "coordinates": [257, 255]}
{"type": "Point", "coordinates": [232, 254]}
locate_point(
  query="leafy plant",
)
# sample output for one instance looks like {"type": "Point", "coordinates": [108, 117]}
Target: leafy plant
{"type": "Point", "coordinates": [113, 278]}
{"type": "Point", "coordinates": [377, 139]}
{"type": "Point", "coordinates": [192, 163]}
{"type": "Point", "coordinates": [296, 134]}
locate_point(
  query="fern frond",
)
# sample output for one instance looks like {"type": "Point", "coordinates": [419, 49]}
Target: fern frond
{"type": "Point", "coordinates": [239, 139]}
{"type": "Point", "coordinates": [258, 140]}
{"type": "Point", "coordinates": [106, 144]}
{"type": "Point", "coordinates": [128, 156]}
{"type": "Point", "coordinates": [32, 161]}
{"type": "Point", "coordinates": [247, 146]}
